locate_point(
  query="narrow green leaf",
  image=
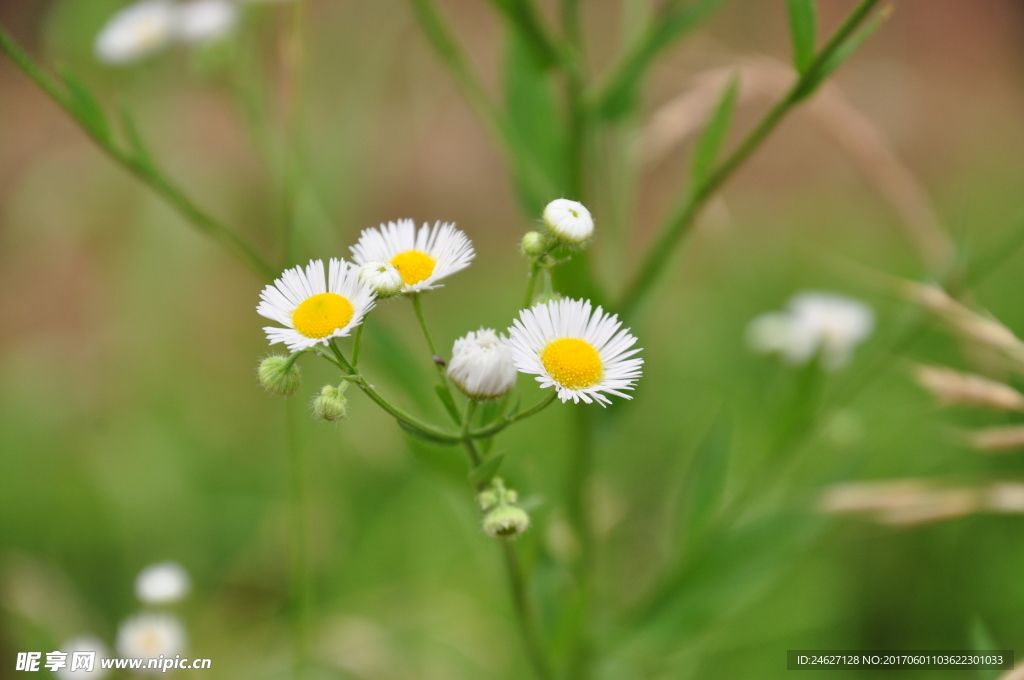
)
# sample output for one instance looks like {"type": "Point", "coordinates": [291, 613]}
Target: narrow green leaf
{"type": "Point", "coordinates": [489, 412]}
{"type": "Point", "coordinates": [803, 24]}
{"type": "Point", "coordinates": [706, 479]}
{"type": "Point", "coordinates": [524, 19]}
{"type": "Point", "coordinates": [983, 641]}
{"type": "Point", "coordinates": [534, 122]}
{"type": "Point", "coordinates": [845, 51]}
{"type": "Point", "coordinates": [139, 151]}
{"type": "Point", "coordinates": [425, 436]}
{"type": "Point", "coordinates": [90, 113]}
{"type": "Point", "coordinates": [711, 139]}
{"type": "Point", "coordinates": [516, 403]}
{"type": "Point", "coordinates": [449, 403]}
{"type": "Point", "coordinates": [487, 469]}
{"type": "Point", "coordinates": [619, 97]}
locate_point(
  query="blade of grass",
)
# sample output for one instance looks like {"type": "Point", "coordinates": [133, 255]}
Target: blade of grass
{"type": "Point", "coordinates": [682, 217]}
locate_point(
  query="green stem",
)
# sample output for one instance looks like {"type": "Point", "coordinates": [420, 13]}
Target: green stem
{"type": "Point", "coordinates": [444, 43]}
{"type": "Point", "coordinates": [525, 616]}
{"type": "Point", "coordinates": [417, 305]}
{"type": "Point", "coordinates": [531, 284]}
{"type": "Point", "coordinates": [143, 168]}
{"type": "Point", "coordinates": [575, 79]}
{"type": "Point", "coordinates": [435, 357]}
{"type": "Point", "coordinates": [578, 513]}
{"type": "Point", "coordinates": [682, 217]}
{"type": "Point", "coordinates": [299, 574]}
{"type": "Point", "coordinates": [399, 413]}
{"type": "Point", "coordinates": [496, 427]}
{"type": "Point", "coordinates": [357, 343]}
{"type": "Point", "coordinates": [524, 613]}
{"type": "Point", "coordinates": [467, 441]}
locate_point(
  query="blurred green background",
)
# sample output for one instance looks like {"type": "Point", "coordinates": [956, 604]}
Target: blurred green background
{"type": "Point", "coordinates": [132, 427]}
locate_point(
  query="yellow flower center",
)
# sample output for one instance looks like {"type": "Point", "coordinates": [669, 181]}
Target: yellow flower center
{"type": "Point", "coordinates": [572, 362]}
{"type": "Point", "coordinates": [414, 266]}
{"type": "Point", "coordinates": [321, 315]}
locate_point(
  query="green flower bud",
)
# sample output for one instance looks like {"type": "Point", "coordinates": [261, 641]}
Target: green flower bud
{"type": "Point", "coordinates": [279, 375]}
{"type": "Point", "coordinates": [488, 499]}
{"type": "Point", "coordinates": [506, 521]}
{"type": "Point", "coordinates": [331, 404]}
{"type": "Point", "coordinates": [533, 244]}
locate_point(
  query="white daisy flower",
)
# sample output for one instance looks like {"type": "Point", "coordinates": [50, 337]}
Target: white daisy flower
{"type": "Point", "coordinates": [422, 257]}
{"type": "Point", "coordinates": [813, 323]}
{"type": "Point", "coordinates": [481, 365]}
{"type": "Point", "coordinates": [313, 308]}
{"type": "Point", "coordinates": [569, 221]}
{"type": "Point", "coordinates": [137, 31]}
{"type": "Point", "coordinates": [583, 354]}
{"type": "Point", "coordinates": [162, 583]}
{"type": "Point", "coordinates": [149, 635]}
{"type": "Point", "coordinates": [202, 21]}
{"type": "Point", "coordinates": [84, 643]}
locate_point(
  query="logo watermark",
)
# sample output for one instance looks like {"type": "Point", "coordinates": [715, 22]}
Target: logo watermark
{"type": "Point", "coordinates": [87, 662]}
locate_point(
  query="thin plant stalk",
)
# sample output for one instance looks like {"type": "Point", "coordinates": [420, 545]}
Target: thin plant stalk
{"type": "Point", "coordinates": [526, 617]}
{"type": "Point", "coordinates": [681, 220]}
{"type": "Point", "coordinates": [300, 583]}
{"type": "Point", "coordinates": [142, 167]}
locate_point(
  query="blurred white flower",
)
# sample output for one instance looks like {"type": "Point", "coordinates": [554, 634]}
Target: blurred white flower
{"type": "Point", "coordinates": [149, 635]}
{"type": "Point", "coordinates": [569, 221]}
{"type": "Point", "coordinates": [481, 364]}
{"type": "Point", "coordinates": [813, 323]}
{"type": "Point", "coordinates": [84, 643]}
{"type": "Point", "coordinates": [136, 32]}
{"type": "Point", "coordinates": [148, 26]}
{"type": "Point", "coordinates": [201, 21]}
{"type": "Point", "coordinates": [162, 583]}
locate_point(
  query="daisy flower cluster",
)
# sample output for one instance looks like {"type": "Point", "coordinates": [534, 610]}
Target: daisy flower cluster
{"type": "Point", "coordinates": [572, 347]}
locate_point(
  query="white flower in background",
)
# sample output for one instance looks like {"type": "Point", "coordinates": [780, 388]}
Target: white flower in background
{"type": "Point", "coordinates": [481, 365]}
{"type": "Point", "coordinates": [422, 257]}
{"type": "Point", "coordinates": [149, 635]}
{"type": "Point", "coordinates": [313, 308]}
{"type": "Point", "coordinates": [148, 26]}
{"type": "Point", "coordinates": [202, 21]}
{"type": "Point", "coordinates": [583, 354]}
{"type": "Point", "coordinates": [136, 32]}
{"type": "Point", "coordinates": [84, 643]}
{"type": "Point", "coordinates": [813, 323]}
{"type": "Point", "coordinates": [569, 221]}
{"type": "Point", "coordinates": [162, 583]}
{"type": "Point", "coordinates": [382, 278]}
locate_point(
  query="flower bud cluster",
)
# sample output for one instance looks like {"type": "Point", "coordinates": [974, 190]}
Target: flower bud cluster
{"type": "Point", "coordinates": [503, 518]}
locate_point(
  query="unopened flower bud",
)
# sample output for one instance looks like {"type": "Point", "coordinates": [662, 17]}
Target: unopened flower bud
{"type": "Point", "coordinates": [569, 221]}
{"type": "Point", "coordinates": [382, 278]}
{"type": "Point", "coordinates": [533, 244]}
{"type": "Point", "coordinates": [488, 499]}
{"type": "Point", "coordinates": [331, 404]}
{"type": "Point", "coordinates": [506, 521]}
{"type": "Point", "coordinates": [481, 365]}
{"type": "Point", "coordinates": [279, 375]}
